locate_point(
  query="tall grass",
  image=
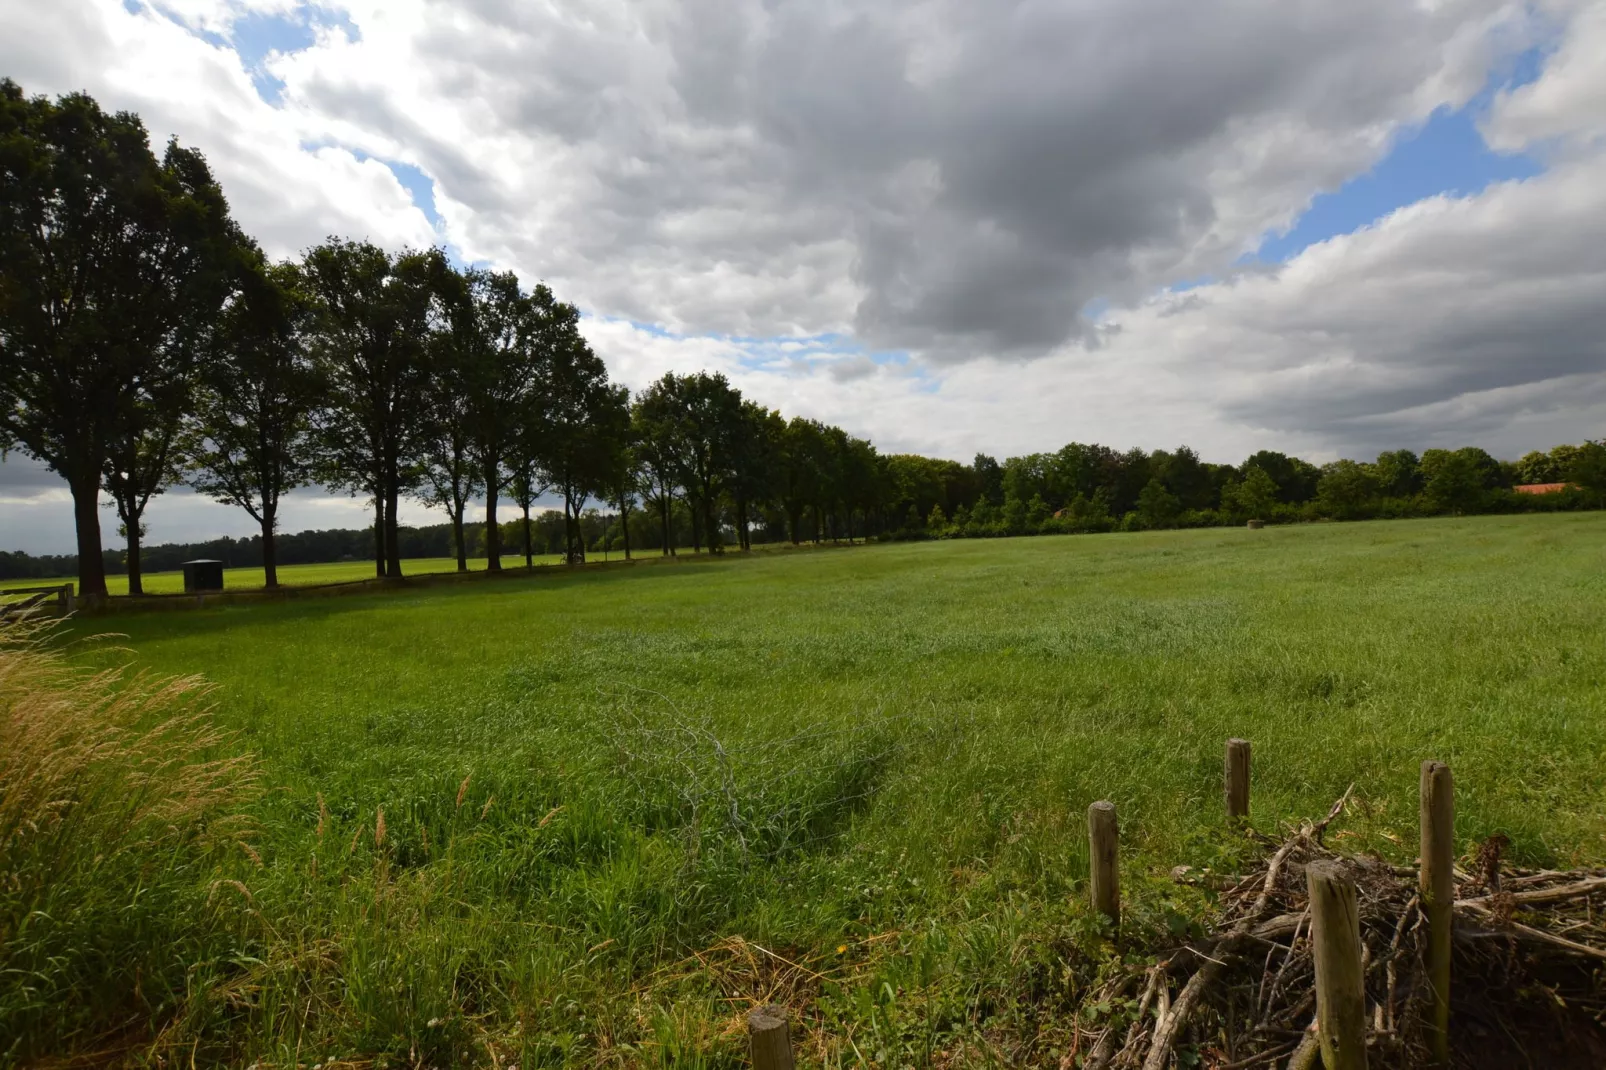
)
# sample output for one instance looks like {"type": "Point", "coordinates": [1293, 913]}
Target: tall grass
{"type": "Point", "coordinates": [115, 791]}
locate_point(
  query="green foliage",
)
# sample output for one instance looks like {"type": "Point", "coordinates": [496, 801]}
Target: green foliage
{"type": "Point", "coordinates": [252, 435]}
{"type": "Point", "coordinates": [1037, 513]}
{"type": "Point", "coordinates": [985, 519]}
{"type": "Point", "coordinates": [1014, 516]}
{"type": "Point", "coordinates": [1587, 467]}
{"type": "Point", "coordinates": [1538, 467]}
{"type": "Point", "coordinates": [1399, 473]}
{"type": "Point", "coordinates": [1458, 480]}
{"type": "Point", "coordinates": [1347, 489]}
{"type": "Point", "coordinates": [1157, 506]}
{"type": "Point", "coordinates": [112, 265]}
{"type": "Point", "coordinates": [1294, 479]}
{"type": "Point", "coordinates": [1255, 497]}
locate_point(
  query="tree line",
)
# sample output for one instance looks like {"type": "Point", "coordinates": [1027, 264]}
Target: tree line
{"type": "Point", "coordinates": [147, 342]}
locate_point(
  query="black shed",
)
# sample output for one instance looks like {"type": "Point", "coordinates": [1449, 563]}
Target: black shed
{"type": "Point", "coordinates": [202, 575]}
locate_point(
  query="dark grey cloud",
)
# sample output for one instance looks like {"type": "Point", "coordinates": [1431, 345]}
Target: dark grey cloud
{"type": "Point", "coordinates": [956, 179]}
{"type": "Point", "coordinates": [22, 476]}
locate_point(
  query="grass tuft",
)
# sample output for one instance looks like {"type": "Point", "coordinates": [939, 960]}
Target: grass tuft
{"type": "Point", "coordinates": [115, 791]}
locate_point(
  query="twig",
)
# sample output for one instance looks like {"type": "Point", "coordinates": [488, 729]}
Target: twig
{"type": "Point", "coordinates": [1536, 935]}
{"type": "Point", "coordinates": [1542, 895]}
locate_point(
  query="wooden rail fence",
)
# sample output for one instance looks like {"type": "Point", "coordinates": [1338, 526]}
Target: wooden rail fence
{"type": "Point", "coordinates": [37, 599]}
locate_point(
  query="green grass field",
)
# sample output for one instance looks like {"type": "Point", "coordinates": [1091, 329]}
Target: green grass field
{"type": "Point", "coordinates": [621, 806]}
{"type": "Point", "coordinates": [245, 579]}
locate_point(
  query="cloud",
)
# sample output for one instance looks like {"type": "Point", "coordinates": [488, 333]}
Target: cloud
{"type": "Point", "coordinates": [288, 190]}
{"type": "Point", "coordinates": [932, 176]}
{"type": "Point", "coordinates": [1563, 109]}
{"type": "Point", "coordinates": [946, 226]}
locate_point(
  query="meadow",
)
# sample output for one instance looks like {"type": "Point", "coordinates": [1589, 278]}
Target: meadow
{"type": "Point", "coordinates": [245, 579]}
{"type": "Point", "coordinates": [589, 818]}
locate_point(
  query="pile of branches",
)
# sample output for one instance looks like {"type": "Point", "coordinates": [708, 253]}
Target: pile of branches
{"type": "Point", "coordinates": [1529, 958]}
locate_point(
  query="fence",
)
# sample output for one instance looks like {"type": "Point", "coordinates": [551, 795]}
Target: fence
{"type": "Point", "coordinates": [37, 599]}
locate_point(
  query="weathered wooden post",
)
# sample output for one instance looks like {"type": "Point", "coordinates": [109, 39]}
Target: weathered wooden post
{"type": "Point", "coordinates": [1236, 780]}
{"type": "Point", "coordinates": [1104, 857]}
{"type": "Point", "coordinates": [769, 1040]}
{"type": "Point", "coordinates": [1436, 883]}
{"type": "Point", "coordinates": [1335, 923]}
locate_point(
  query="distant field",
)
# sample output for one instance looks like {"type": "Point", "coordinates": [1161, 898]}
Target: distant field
{"type": "Point", "coordinates": [239, 579]}
{"type": "Point", "coordinates": [621, 806]}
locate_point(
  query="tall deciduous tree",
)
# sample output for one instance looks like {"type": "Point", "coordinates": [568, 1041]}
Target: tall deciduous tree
{"type": "Point", "coordinates": [252, 427]}
{"type": "Point", "coordinates": [754, 454]}
{"type": "Point", "coordinates": [623, 485]}
{"type": "Point", "coordinates": [112, 266]}
{"type": "Point", "coordinates": [655, 429]}
{"type": "Point", "coordinates": [373, 340]}
{"type": "Point", "coordinates": [450, 478]}
{"type": "Point", "coordinates": [505, 340]}
{"type": "Point", "coordinates": [526, 489]}
{"type": "Point", "coordinates": [587, 417]}
{"type": "Point", "coordinates": [800, 471]}
{"type": "Point", "coordinates": [709, 412]}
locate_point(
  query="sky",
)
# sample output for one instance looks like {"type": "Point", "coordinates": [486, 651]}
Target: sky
{"type": "Point", "coordinates": [1328, 229]}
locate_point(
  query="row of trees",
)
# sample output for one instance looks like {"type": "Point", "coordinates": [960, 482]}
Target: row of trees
{"type": "Point", "coordinates": [1093, 488]}
{"type": "Point", "coordinates": [145, 341]}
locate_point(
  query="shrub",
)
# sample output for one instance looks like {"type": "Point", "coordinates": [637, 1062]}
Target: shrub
{"type": "Point", "coordinates": [113, 800]}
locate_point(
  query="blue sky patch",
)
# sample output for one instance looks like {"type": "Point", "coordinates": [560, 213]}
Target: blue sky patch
{"type": "Point", "coordinates": [1447, 154]}
{"type": "Point", "coordinates": [254, 36]}
{"type": "Point", "coordinates": [420, 185]}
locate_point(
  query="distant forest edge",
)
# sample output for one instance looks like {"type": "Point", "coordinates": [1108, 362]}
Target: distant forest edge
{"type": "Point", "coordinates": [146, 342]}
{"type": "Point", "coordinates": [1079, 489]}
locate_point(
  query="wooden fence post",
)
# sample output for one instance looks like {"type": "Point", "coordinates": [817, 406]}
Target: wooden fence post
{"type": "Point", "coordinates": [1104, 858]}
{"type": "Point", "coordinates": [1436, 883]}
{"type": "Point", "coordinates": [1335, 923]}
{"type": "Point", "coordinates": [1236, 780]}
{"type": "Point", "coordinates": [769, 1041]}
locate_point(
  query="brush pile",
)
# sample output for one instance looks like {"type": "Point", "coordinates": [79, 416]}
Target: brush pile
{"type": "Point", "coordinates": [1528, 981]}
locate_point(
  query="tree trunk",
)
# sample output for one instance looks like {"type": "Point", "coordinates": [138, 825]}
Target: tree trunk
{"type": "Point", "coordinates": [624, 526]}
{"type": "Point", "coordinates": [663, 511]}
{"type": "Point", "coordinates": [696, 512]}
{"type": "Point", "coordinates": [710, 525]}
{"type": "Point", "coordinates": [86, 517]}
{"type": "Point", "coordinates": [529, 550]}
{"type": "Point", "coordinates": [393, 569]}
{"type": "Point", "coordinates": [136, 583]}
{"type": "Point", "coordinates": [379, 534]}
{"type": "Point", "coordinates": [493, 534]}
{"type": "Point", "coordinates": [270, 551]}
{"type": "Point", "coordinates": [574, 551]}
{"type": "Point", "coordinates": [458, 542]}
